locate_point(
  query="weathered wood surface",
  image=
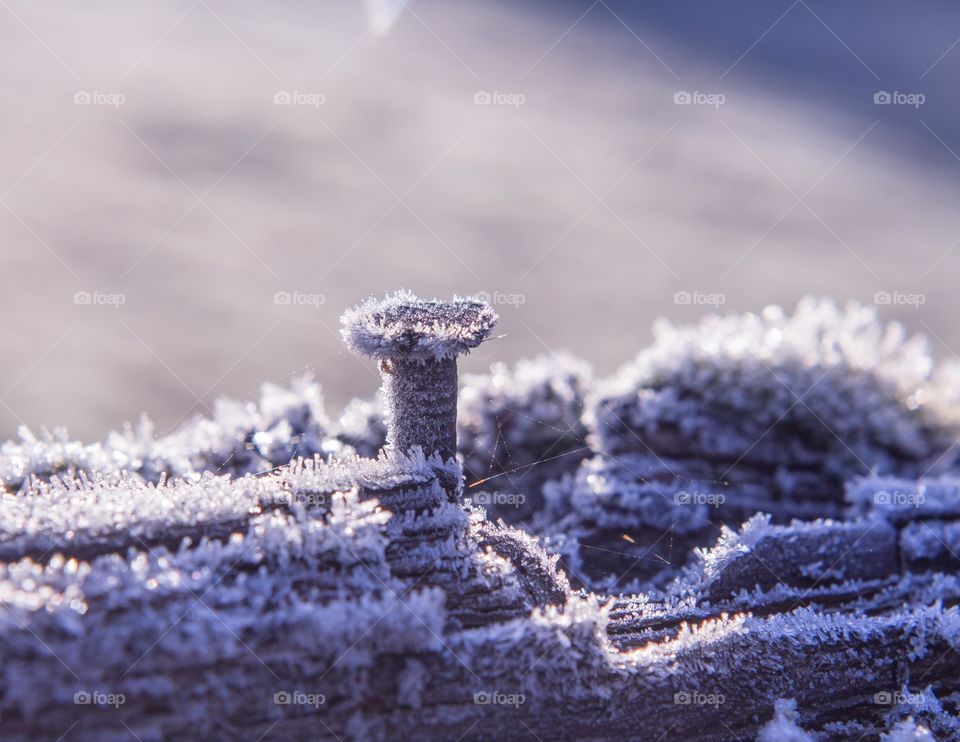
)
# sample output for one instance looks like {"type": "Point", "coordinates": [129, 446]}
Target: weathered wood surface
{"type": "Point", "coordinates": [703, 670]}
{"type": "Point", "coordinates": [631, 600]}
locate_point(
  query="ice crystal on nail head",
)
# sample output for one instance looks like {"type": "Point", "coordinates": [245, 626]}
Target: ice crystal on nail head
{"type": "Point", "coordinates": [402, 324]}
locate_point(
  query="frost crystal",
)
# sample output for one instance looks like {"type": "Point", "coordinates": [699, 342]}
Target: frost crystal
{"type": "Point", "coordinates": [919, 716]}
{"type": "Point", "coordinates": [268, 551]}
{"type": "Point", "coordinates": [402, 324]}
{"type": "Point", "coordinates": [783, 726]}
{"type": "Point", "coordinates": [908, 731]}
{"type": "Point", "coordinates": [795, 404]}
{"type": "Point", "coordinates": [240, 438]}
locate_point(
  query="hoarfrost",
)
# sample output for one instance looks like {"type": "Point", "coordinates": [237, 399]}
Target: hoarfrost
{"type": "Point", "coordinates": [783, 726]}
{"type": "Point", "coordinates": [257, 541]}
{"type": "Point", "coordinates": [814, 398]}
{"type": "Point", "coordinates": [422, 329]}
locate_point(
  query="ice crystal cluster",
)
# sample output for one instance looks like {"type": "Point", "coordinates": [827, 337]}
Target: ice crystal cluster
{"type": "Point", "coordinates": [794, 404]}
{"type": "Point", "coordinates": [783, 727]}
{"type": "Point", "coordinates": [748, 532]}
{"type": "Point", "coordinates": [238, 438]}
{"type": "Point", "coordinates": [422, 330]}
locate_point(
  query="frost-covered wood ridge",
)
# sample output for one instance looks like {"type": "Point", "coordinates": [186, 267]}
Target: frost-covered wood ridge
{"type": "Point", "coordinates": [271, 549]}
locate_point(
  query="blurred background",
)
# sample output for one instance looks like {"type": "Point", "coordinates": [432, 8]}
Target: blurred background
{"type": "Point", "coordinates": [192, 191]}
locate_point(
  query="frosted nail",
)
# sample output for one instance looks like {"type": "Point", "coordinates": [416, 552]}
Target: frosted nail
{"type": "Point", "coordinates": [417, 343]}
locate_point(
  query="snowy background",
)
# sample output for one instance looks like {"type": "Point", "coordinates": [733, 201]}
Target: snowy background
{"type": "Point", "coordinates": [147, 167]}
